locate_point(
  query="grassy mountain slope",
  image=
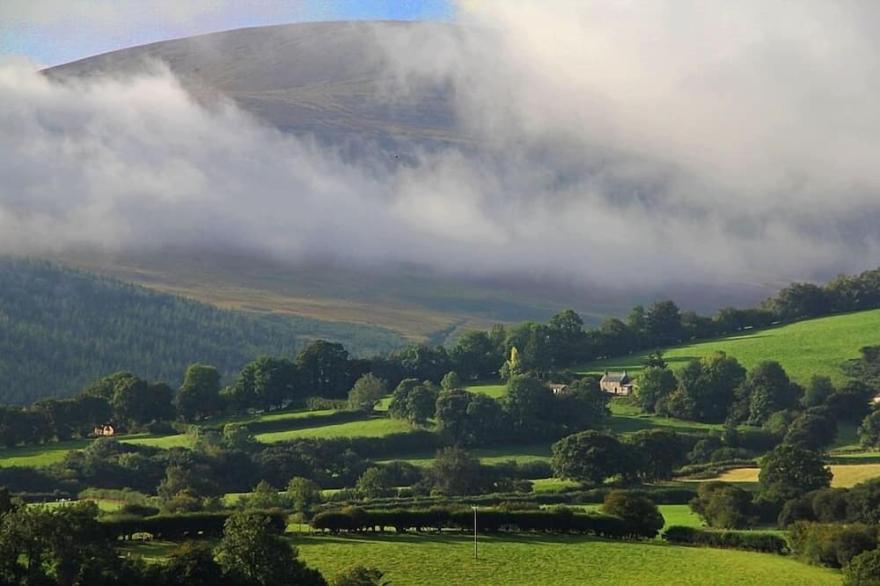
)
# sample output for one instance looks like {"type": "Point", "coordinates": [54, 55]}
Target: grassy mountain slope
{"type": "Point", "coordinates": [60, 329]}
{"type": "Point", "coordinates": [415, 302]}
{"type": "Point", "coordinates": [816, 346]}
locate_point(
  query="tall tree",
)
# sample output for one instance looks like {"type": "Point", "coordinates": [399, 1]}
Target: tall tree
{"type": "Point", "coordinates": [817, 392]}
{"type": "Point", "coordinates": [663, 323]}
{"type": "Point", "coordinates": [136, 402]}
{"type": "Point", "coordinates": [199, 395]}
{"type": "Point", "coordinates": [253, 553]}
{"type": "Point", "coordinates": [456, 472]}
{"type": "Point", "coordinates": [706, 388]}
{"type": "Point", "coordinates": [475, 356]}
{"type": "Point", "coordinates": [567, 338]}
{"type": "Point", "coordinates": [325, 369]}
{"type": "Point", "coordinates": [529, 405]}
{"type": "Point", "coordinates": [654, 384]}
{"type": "Point", "coordinates": [768, 389]}
{"type": "Point", "coordinates": [366, 392]}
{"type": "Point", "coordinates": [192, 564]}
{"type": "Point", "coordinates": [265, 383]}
{"type": "Point", "coordinates": [800, 300]}
{"type": "Point", "coordinates": [590, 456]}
{"type": "Point", "coordinates": [789, 472]}
{"type": "Point", "coordinates": [451, 414]}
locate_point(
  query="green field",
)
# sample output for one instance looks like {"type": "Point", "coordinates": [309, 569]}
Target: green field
{"type": "Point", "coordinates": [376, 427]}
{"type": "Point", "coordinates": [496, 391]}
{"type": "Point", "coordinates": [628, 418]}
{"type": "Point", "coordinates": [541, 559]}
{"type": "Point", "coordinates": [816, 346]}
{"type": "Point", "coordinates": [36, 456]}
{"type": "Point", "coordinates": [519, 454]}
{"type": "Point", "coordinates": [45, 455]}
{"type": "Point", "coordinates": [672, 514]}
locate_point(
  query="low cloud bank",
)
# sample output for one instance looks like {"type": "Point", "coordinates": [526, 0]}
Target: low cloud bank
{"type": "Point", "coordinates": [639, 143]}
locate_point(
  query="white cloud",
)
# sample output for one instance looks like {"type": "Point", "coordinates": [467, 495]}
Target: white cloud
{"type": "Point", "coordinates": [656, 142]}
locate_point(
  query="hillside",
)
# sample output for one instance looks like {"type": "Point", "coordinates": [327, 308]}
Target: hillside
{"type": "Point", "coordinates": [414, 302]}
{"type": "Point", "coordinates": [336, 83]}
{"type": "Point", "coordinates": [330, 80]}
{"type": "Point", "coordinates": [805, 348]}
{"type": "Point", "coordinates": [60, 329]}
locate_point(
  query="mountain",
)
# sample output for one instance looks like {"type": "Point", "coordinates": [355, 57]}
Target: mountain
{"type": "Point", "coordinates": [331, 80]}
{"type": "Point", "coordinates": [61, 329]}
{"type": "Point", "coordinates": [334, 82]}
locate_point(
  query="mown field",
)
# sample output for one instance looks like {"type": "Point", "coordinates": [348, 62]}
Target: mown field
{"type": "Point", "coordinates": [817, 346]}
{"type": "Point", "coordinates": [530, 559]}
{"type": "Point", "coordinates": [845, 475]}
{"type": "Point", "coordinates": [376, 427]}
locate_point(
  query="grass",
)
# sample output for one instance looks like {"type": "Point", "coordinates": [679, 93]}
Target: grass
{"type": "Point", "coordinates": [36, 456]}
{"type": "Point", "coordinates": [496, 391]}
{"type": "Point", "coordinates": [672, 514]}
{"type": "Point", "coordinates": [416, 303]}
{"type": "Point", "coordinates": [533, 559]}
{"type": "Point", "coordinates": [165, 442]}
{"type": "Point", "coordinates": [627, 418]}
{"type": "Point", "coordinates": [543, 485]}
{"type": "Point", "coordinates": [519, 454]}
{"type": "Point", "coordinates": [680, 515]}
{"type": "Point", "coordinates": [845, 475]}
{"type": "Point", "coordinates": [376, 427]}
{"type": "Point", "coordinates": [48, 454]}
{"type": "Point", "coordinates": [816, 346]}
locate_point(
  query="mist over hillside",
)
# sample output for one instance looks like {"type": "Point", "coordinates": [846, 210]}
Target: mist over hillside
{"type": "Point", "coordinates": [588, 147]}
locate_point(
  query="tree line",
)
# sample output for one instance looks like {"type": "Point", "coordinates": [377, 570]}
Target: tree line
{"type": "Point", "coordinates": [624, 515]}
{"type": "Point", "coordinates": [76, 327]}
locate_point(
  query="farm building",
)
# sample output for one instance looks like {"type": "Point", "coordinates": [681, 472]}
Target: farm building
{"type": "Point", "coordinates": [558, 388]}
{"type": "Point", "coordinates": [616, 383]}
{"type": "Point", "coordinates": [104, 431]}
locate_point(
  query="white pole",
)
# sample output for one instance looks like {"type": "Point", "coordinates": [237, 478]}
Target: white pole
{"type": "Point", "coordinates": [475, 532]}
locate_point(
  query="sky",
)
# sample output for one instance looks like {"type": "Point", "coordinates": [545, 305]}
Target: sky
{"type": "Point", "coordinates": [51, 32]}
{"type": "Point", "coordinates": [641, 144]}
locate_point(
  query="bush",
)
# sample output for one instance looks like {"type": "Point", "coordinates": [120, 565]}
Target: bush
{"type": "Point", "coordinates": [353, 519]}
{"type": "Point", "coordinates": [831, 545]}
{"type": "Point", "coordinates": [863, 569]}
{"type": "Point", "coordinates": [321, 403]}
{"type": "Point", "coordinates": [744, 540]}
{"type": "Point", "coordinates": [723, 505]}
{"type": "Point", "coordinates": [204, 524]}
{"type": "Point", "coordinates": [640, 514]}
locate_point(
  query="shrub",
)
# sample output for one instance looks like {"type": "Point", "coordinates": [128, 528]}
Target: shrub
{"type": "Point", "coordinates": [832, 545]}
{"type": "Point", "coordinates": [863, 569]}
{"type": "Point", "coordinates": [744, 540]}
{"type": "Point", "coordinates": [723, 505]}
{"type": "Point", "coordinates": [640, 514]}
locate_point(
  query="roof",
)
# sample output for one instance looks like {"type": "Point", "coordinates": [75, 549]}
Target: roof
{"type": "Point", "coordinates": [615, 377]}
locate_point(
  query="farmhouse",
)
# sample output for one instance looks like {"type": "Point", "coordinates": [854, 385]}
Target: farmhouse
{"type": "Point", "coordinates": [616, 383]}
{"type": "Point", "coordinates": [104, 431]}
{"type": "Point", "coordinates": [558, 388]}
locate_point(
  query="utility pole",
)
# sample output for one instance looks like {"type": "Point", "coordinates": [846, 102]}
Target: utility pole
{"type": "Point", "coordinates": [475, 532]}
